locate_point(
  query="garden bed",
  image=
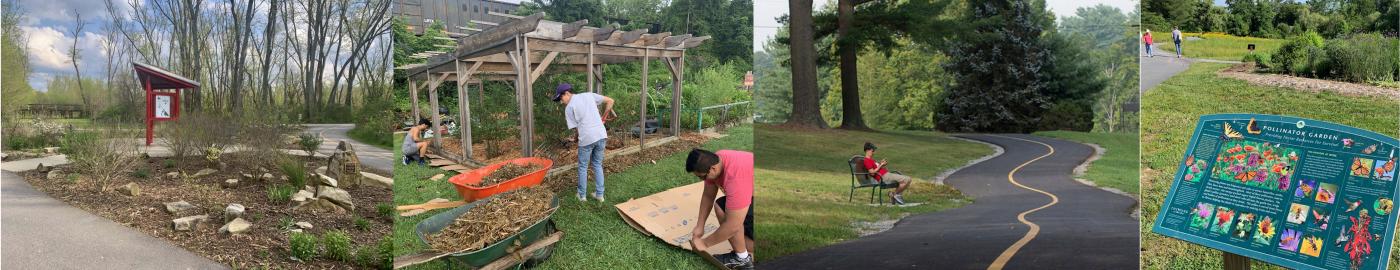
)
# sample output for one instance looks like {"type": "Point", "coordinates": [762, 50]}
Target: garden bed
{"type": "Point", "coordinates": [559, 152]}
{"type": "Point", "coordinates": [264, 245]}
{"type": "Point", "coordinates": [569, 178]}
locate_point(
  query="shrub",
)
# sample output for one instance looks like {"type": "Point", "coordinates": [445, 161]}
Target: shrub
{"type": "Point", "coordinates": [1068, 115]}
{"type": "Point", "coordinates": [1363, 58]}
{"type": "Point", "coordinates": [280, 193]}
{"type": "Point", "coordinates": [366, 256]}
{"type": "Point", "coordinates": [386, 210]}
{"type": "Point", "coordinates": [303, 246]}
{"type": "Point", "coordinates": [309, 142]}
{"type": "Point", "coordinates": [361, 223]}
{"type": "Point", "coordinates": [337, 245]}
{"type": "Point", "coordinates": [295, 171]}
{"type": "Point", "coordinates": [142, 173]}
{"type": "Point", "coordinates": [386, 253]}
{"type": "Point", "coordinates": [97, 158]}
{"type": "Point", "coordinates": [263, 137]}
{"type": "Point", "coordinates": [1301, 54]}
{"type": "Point", "coordinates": [1259, 59]}
{"type": "Point", "coordinates": [169, 163]}
{"type": "Point", "coordinates": [196, 133]}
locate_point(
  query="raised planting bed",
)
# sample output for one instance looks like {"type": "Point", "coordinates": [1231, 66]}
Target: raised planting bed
{"type": "Point", "coordinates": [264, 244]}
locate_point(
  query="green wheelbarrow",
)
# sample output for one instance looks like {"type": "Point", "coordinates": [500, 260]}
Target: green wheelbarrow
{"type": "Point", "coordinates": [491, 253]}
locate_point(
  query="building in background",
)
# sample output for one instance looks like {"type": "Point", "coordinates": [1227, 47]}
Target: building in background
{"type": "Point", "coordinates": [455, 15]}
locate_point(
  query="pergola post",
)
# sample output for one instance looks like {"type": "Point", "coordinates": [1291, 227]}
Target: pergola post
{"type": "Point", "coordinates": [529, 112]}
{"type": "Point", "coordinates": [464, 113]}
{"type": "Point", "coordinates": [590, 70]}
{"type": "Point", "coordinates": [642, 128]}
{"type": "Point", "coordinates": [437, 117]}
{"type": "Point", "coordinates": [677, 77]}
{"type": "Point", "coordinates": [413, 95]}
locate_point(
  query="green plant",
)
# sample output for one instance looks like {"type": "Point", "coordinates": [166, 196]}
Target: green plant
{"type": "Point", "coordinates": [1363, 57]}
{"type": "Point", "coordinates": [142, 173]}
{"type": "Point", "coordinates": [1259, 59]}
{"type": "Point", "coordinates": [280, 193]}
{"type": "Point", "coordinates": [169, 163]}
{"type": "Point", "coordinates": [337, 245]}
{"type": "Point", "coordinates": [366, 256]}
{"type": "Point", "coordinates": [212, 154]}
{"type": "Point", "coordinates": [385, 210]}
{"type": "Point", "coordinates": [303, 246]}
{"type": "Point", "coordinates": [386, 252]}
{"type": "Point", "coordinates": [361, 223]}
{"type": "Point", "coordinates": [195, 133]}
{"type": "Point", "coordinates": [100, 160]}
{"type": "Point", "coordinates": [285, 223]}
{"type": "Point", "coordinates": [1300, 55]}
{"type": "Point", "coordinates": [295, 171]}
{"type": "Point", "coordinates": [309, 142]}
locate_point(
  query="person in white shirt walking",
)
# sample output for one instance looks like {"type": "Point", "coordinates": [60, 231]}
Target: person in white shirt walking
{"type": "Point", "coordinates": [581, 114]}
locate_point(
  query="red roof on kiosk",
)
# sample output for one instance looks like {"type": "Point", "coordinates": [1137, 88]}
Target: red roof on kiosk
{"type": "Point", "coordinates": [161, 78]}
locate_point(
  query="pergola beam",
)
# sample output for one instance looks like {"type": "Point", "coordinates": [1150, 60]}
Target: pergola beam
{"type": "Point", "coordinates": [539, 70]}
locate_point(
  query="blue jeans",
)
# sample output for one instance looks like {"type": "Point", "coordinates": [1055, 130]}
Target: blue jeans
{"type": "Point", "coordinates": [1178, 48]}
{"type": "Point", "coordinates": [1149, 49]}
{"type": "Point", "coordinates": [591, 156]}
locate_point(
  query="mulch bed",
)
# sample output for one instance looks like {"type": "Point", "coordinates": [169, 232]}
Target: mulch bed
{"type": "Point", "coordinates": [1246, 72]}
{"type": "Point", "coordinates": [560, 152]}
{"type": "Point", "coordinates": [566, 182]}
{"type": "Point", "coordinates": [507, 172]}
{"type": "Point", "coordinates": [263, 245]}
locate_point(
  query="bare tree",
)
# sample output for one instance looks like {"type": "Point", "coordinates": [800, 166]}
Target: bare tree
{"type": "Point", "coordinates": [269, 35]}
{"type": "Point", "coordinates": [74, 56]}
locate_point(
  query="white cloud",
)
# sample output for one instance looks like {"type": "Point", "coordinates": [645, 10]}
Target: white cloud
{"type": "Point", "coordinates": [48, 54]}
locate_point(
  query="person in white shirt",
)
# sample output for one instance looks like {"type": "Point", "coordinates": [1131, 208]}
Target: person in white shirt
{"type": "Point", "coordinates": [1176, 38]}
{"type": "Point", "coordinates": [581, 114]}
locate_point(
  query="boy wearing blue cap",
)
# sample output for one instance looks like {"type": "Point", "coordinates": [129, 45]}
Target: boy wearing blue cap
{"type": "Point", "coordinates": [581, 113]}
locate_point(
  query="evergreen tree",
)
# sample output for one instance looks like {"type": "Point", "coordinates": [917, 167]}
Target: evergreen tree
{"type": "Point", "coordinates": [999, 70]}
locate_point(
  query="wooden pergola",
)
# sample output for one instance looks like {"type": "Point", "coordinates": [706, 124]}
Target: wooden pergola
{"type": "Point", "coordinates": [522, 48]}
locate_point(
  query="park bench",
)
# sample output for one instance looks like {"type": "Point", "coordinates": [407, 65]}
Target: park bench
{"type": "Point", "coordinates": [860, 178]}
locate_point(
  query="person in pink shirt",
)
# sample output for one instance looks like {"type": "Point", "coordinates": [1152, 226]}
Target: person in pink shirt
{"type": "Point", "coordinates": [731, 171]}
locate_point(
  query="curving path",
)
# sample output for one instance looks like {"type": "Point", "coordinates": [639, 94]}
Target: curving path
{"type": "Point", "coordinates": [1084, 228]}
{"type": "Point", "coordinates": [373, 158]}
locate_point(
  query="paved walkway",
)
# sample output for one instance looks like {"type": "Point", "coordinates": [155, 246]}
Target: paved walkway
{"type": "Point", "coordinates": [374, 158]}
{"type": "Point", "coordinates": [43, 233]}
{"type": "Point", "coordinates": [1164, 64]}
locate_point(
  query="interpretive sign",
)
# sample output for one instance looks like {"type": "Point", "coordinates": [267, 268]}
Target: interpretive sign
{"type": "Point", "coordinates": [1299, 193]}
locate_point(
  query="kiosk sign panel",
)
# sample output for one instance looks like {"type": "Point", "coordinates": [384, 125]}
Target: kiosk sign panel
{"type": "Point", "coordinates": [163, 107]}
{"type": "Point", "coordinates": [1299, 193]}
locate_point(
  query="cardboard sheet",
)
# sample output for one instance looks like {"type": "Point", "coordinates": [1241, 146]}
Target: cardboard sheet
{"type": "Point", "coordinates": [670, 215]}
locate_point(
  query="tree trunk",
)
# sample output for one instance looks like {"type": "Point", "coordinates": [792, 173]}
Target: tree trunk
{"type": "Point", "coordinates": [850, 88]}
{"type": "Point", "coordinates": [806, 111]}
{"type": "Point", "coordinates": [269, 35]}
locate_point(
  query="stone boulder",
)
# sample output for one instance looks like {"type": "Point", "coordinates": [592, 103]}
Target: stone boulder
{"type": "Point", "coordinates": [323, 180]}
{"type": "Point", "coordinates": [238, 225]}
{"type": "Point", "coordinates": [268, 177]}
{"type": "Point", "coordinates": [344, 165]}
{"type": "Point", "coordinates": [231, 182]}
{"type": "Point", "coordinates": [320, 206]}
{"type": "Point", "coordinates": [303, 195]}
{"type": "Point", "coordinates": [130, 189]}
{"type": "Point", "coordinates": [204, 172]}
{"type": "Point", "coordinates": [234, 211]}
{"type": "Point", "coordinates": [304, 225]}
{"type": "Point", "coordinates": [54, 174]}
{"type": "Point", "coordinates": [189, 223]}
{"type": "Point", "coordinates": [335, 195]}
{"type": "Point", "coordinates": [177, 207]}
{"type": "Point", "coordinates": [172, 175]}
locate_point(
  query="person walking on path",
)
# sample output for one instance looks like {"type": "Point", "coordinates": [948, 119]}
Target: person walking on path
{"type": "Point", "coordinates": [1147, 41]}
{"type": "Point", "coordinates": [581, 114]}
{"type": "Point", "coordinates": [732, 171]}
{"type": "Point", "coordinates": [1176, 39]}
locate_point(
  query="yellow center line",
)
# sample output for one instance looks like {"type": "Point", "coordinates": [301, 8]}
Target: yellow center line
{"type": "Point", "coordinates": [1035, 229]}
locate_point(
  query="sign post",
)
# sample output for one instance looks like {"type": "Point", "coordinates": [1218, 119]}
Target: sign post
{"type": "Point", "coordinates": [162, 95]}
{"type": "Point", "coordinates": [1299, 193]}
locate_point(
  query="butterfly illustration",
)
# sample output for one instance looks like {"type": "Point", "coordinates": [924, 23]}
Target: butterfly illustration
{"type": "Point", "coordinates": [1253, 128]}
{"type": "Point", "coordinates": [1369, 149]}
{"type": "Point", "coordinates": [1230, 133]}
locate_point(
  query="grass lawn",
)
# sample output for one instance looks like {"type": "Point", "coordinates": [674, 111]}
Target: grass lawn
{"type": "Point", "coordinates": [1118, 167]}
{"type": "Point", "coordinates": [371, 136]}
{"type": "Point", "coordinates": [804, 177]}
{"type": "Point", "coordinates": [595, 237]}
{"type": "Point", "coordinates": [1216, 45]}
{"type": "Point", "coordinates": [1169, 116]}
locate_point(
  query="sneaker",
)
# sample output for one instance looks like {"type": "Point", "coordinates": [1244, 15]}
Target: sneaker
{"type": "Point", "coordinates": [898, 199]}
{"type": "Point", "coordinates": [598, 197]}
{"type": "Point", "coordinates": [732, 261]}
{"type": "Point", "coordinates": [404, 160]}
{"type": "Point", "coordinates": [581, 198]}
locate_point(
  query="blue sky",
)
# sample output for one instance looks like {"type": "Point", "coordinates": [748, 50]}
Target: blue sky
{"type": "Point", "coordinates": [48, 25]}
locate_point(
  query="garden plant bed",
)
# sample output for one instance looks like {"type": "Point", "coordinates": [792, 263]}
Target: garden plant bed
{"type": "Point", "coordinates": [560, 152]}
{"type": "Point", "coordinates": [568, 180]}
{"type": "Point", "coordinates": [1245, 72]}
{"type": "Point", "coordinates": [494, 220]}
{"type": "Point", "coordinates": [264, 245]}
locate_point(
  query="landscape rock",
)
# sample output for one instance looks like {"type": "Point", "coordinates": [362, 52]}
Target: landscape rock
{"type": "Point", "coordinates": [234, 211]}
{"type": "Point", "coordinates": [205, 171]}
{"type": "Point", "coordinates": [247, 176]}
{"type": "Point", "coordinates": [324, 180]}
{"type": "Point", "coordinates": [176, 207]}
{"type": "Point", "coordinates": [42, 169]}
{"type": "Point", "coordinates": [377, 180]}
{"type": "Point", "coordinates": [172, 175]}
{"type": "Point", "coordinates": [189, 223]}
{"type": "Point", "coordinates": [338, 196]}
{"type": "Point", "coordinates": [238, 225]}
{"type": "Point", "coordinates": [54, 174]}
{"type": "Point", "coordinates": [345, 165]}
{"type": "Point", "coordinates": [320, 206]}
{"type": "Point", "coordinates": [302, 196]}
{"type": "Point", "coordinates": [268, 177]}
{"type": "Point", "coordinates": [130, 189]}
{"type": "Point", "coordinates": [304, 225]}
{"type": "Point", "coordinates": [231, 182]}
{"type": "Point", "coordinates": [222, 165]}
{"type": "Point", "coordinates": [51, 150]}
{"type": "Point", "coordinates": [321, 170]}
{"type": "Point", "coordinates": [295, 230]}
